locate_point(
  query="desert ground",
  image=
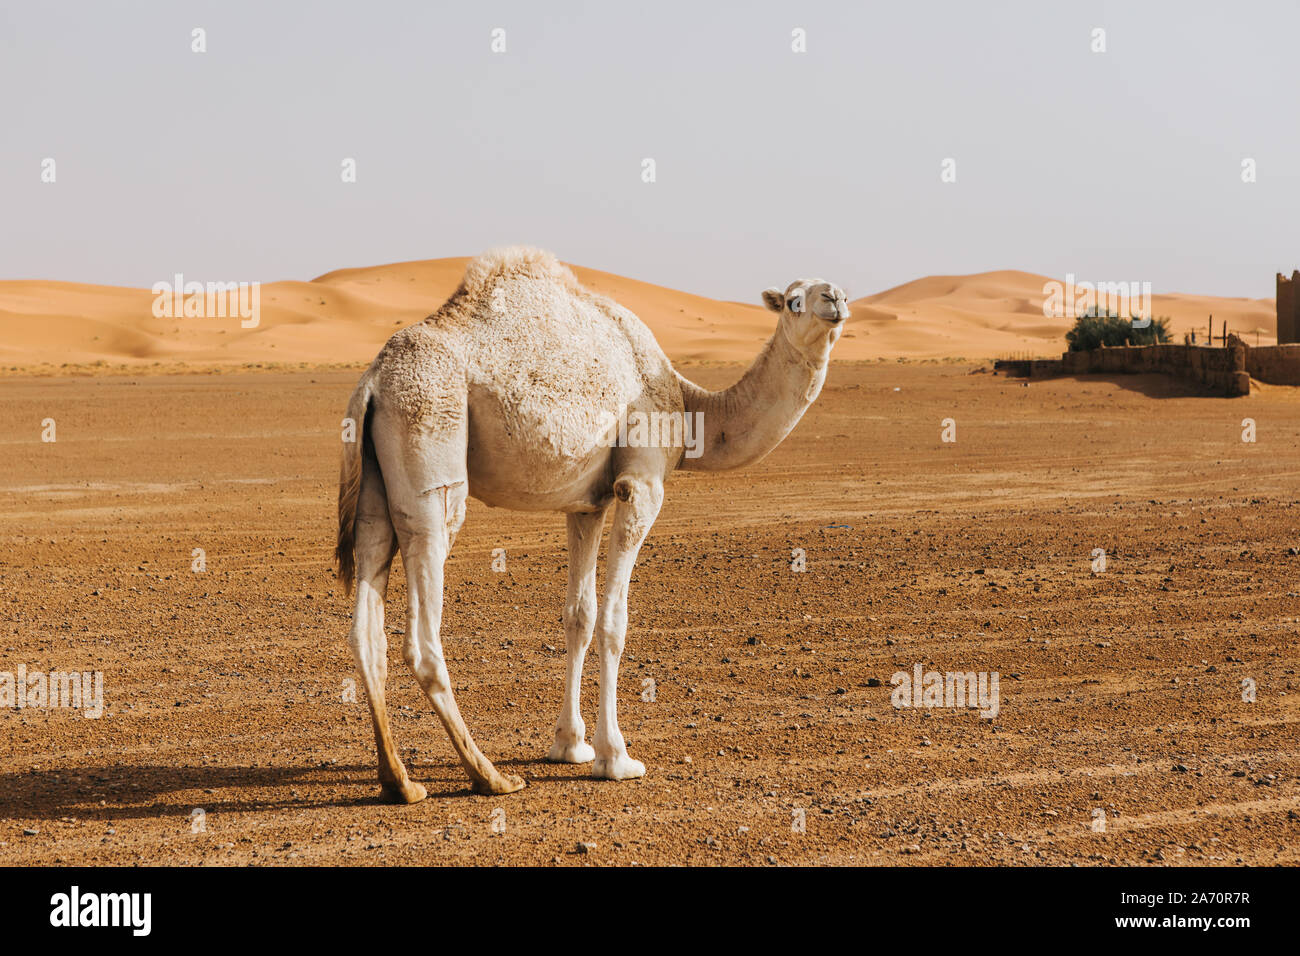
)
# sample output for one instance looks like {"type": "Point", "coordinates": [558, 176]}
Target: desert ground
{"type": "Point", "coordinates": [226, 689]}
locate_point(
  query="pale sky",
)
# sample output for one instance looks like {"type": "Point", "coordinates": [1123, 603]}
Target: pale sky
{"type": "Point", "coordinates": [770, 164]}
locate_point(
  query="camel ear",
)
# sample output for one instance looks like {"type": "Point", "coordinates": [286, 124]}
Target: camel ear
{"type": "Point", "coordinates": [774, 299]}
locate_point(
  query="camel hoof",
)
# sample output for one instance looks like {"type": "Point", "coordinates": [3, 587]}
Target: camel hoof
{"type": "Point", "coordinates": [581, 752]}
{"type": "Point", "coordinates": [504, 783]}
{"type": "Point", "coordinates": [408, 792]}
{"type": "Point", "coordinates": [621, 767]}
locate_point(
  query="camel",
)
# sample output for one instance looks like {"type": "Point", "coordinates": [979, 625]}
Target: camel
{"type": "Point", "coordinates": [507, 393]}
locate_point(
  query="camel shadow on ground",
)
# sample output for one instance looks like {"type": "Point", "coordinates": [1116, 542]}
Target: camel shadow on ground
{"type": "Point", "coordinates": [152, 791]}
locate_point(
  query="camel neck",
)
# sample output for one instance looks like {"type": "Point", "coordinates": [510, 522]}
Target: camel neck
{"type": "Point", "coordinates": [741, 424]}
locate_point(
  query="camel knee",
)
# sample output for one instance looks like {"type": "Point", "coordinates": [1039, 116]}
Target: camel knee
{"type": "Point", "coordinates": [580, 616]}
{"type": "Point", "coordinates": [611, 632]}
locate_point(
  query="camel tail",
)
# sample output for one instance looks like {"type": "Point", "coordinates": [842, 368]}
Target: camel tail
{"type": "Point", "coordinates": [350, 479]}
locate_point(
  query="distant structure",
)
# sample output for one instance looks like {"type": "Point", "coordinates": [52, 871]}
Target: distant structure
{"type": "Point", "coordinates": [1288, 308]}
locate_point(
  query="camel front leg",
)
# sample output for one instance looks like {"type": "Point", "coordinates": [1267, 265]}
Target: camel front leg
{"type": "Point", "coordinates": [570, 744]}
{"type": "Point", "coordinates": [639, 500]}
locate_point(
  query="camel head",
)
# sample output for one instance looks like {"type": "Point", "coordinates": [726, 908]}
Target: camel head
{"type": "Point", "coordinates": [812, 315]}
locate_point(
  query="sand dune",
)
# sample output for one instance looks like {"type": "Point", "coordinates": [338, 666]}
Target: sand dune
{"type": "Point", "coordinates": [346, 315]}
{"type": "Point", "coordinates": [1001, 313]}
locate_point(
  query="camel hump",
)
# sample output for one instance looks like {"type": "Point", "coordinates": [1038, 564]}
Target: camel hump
{"type": "Point", "coordinates": [514, 262]}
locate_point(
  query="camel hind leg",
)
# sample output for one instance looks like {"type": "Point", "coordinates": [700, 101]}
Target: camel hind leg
{"type": "Point", "coordinates": [375, 546]}
{"type": "Point", "coordinates": [424, 552]}
{"type": "Point", "coordinates": [427, 488]}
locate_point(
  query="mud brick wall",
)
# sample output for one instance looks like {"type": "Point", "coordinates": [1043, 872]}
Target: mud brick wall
{"type": "Point", "coordinates": [1274, 364]}
{"type": "Point", "coordinates": [1220, 371]}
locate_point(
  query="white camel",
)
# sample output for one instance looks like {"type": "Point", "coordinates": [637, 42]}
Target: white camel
{"type": "Point", "coordinates": [507, 393]}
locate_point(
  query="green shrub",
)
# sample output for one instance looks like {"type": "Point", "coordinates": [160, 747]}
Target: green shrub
{"type": "Point", "coordinates": [1094, 329]}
